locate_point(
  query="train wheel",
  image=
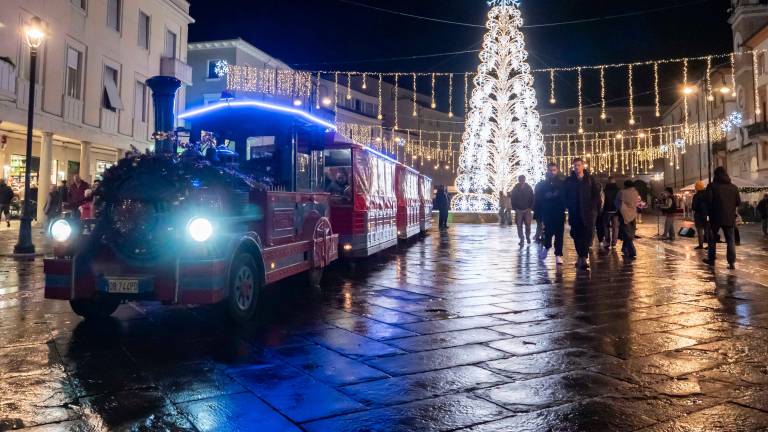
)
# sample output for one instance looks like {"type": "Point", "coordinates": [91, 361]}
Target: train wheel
{"type": "Point", "coordinates": [244, 288]}
{"type": "Point", "coordinates": [96, 308]}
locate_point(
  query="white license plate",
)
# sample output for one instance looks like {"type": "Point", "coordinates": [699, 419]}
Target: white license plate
{"type": "Point", "coordinates": [123, 286]}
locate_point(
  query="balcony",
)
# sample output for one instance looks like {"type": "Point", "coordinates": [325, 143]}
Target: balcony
{"type": "Point", "coordinates": [109, 121]}
{"type": "Point", "coordinates": [22, 94]}
{"type": "Point", "coordinates": [73, 110]}
{"type": "Point", "coordinates": [177, 69]}
{"type": "Point", "coordinates": [7, 80]}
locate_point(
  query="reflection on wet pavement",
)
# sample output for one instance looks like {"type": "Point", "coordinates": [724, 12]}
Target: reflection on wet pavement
{"type": "Point", "coordinates": [457, 331]}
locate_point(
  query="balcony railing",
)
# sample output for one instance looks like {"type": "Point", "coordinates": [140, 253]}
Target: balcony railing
{"type": "Point", "coordinates": [73, 110]}
{"type": "Point", "coordinates": [7, 79]}
{"type": "Point", "coordinates": [22, 94]}
{"type": "Point", "coordinates": [757, 129]}
{"type": "Point", "coordinates": [109, 121]}
{"type": "Point", "coordinates": [177, 69]}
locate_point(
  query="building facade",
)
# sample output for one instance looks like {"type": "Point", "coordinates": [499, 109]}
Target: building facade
{"type": "Point", "coordinates": [91, 100]}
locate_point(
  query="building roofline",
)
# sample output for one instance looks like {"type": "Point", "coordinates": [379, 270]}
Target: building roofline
{"type": "Point", "coordinates": [238, 43]}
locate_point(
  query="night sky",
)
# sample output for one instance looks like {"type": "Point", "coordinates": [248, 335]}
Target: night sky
{"type": "Point", "coordinates": [337, 35]}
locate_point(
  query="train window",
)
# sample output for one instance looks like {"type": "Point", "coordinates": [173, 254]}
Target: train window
{"type": "Point", "coordinates": [337, 172]}
{"type": "Point", "coordinates": [303, 173]}
{"type": "Point", "coordinates": [261, 161]}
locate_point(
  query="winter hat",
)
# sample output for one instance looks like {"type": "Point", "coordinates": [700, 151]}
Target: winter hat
{"type": "Point", "coordinates": [699, 185]}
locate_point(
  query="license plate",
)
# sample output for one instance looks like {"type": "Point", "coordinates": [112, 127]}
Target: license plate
{"type": "Point", "coordinates": [123, 286]}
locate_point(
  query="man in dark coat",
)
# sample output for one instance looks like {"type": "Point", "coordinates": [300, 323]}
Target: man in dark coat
{"type": "Point", "coordinates": [522, 204]}
{"type": "Point", "coordinates": [609, 214]}
{"type": "Point", "coordinates": [762, 211]}
{"type": "Point", "coordinates": [699, 207]}
{"type": "Point", "coordinates": [550, 210]}
{"type": "Point", "coordinates": [442, 205]}
{"type": "Point", "coordinates": [76, 195]}
{"type": "Point", "coordinates": [722, 201]}
{"type": "Point", "coordinates": [6, 196]}
{"type": "Point", "coordinates": [582, 198]}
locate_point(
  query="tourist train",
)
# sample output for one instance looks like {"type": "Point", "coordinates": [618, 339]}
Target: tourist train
{"type": "Point", "coordinates": [252, 193]}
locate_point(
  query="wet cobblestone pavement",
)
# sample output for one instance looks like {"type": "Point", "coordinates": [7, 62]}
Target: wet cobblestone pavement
{"type": "Point", "coordinates": [458, 331]}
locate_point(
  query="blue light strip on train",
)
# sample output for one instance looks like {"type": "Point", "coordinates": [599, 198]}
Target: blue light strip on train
{"type": "Point", "coordinates": [257, 104]}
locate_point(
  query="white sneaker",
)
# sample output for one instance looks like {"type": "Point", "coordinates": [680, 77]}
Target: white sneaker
{"type": "Point", "coordinates": [543, 252]}
{"type": "Point", "coordinates": [559, 260]}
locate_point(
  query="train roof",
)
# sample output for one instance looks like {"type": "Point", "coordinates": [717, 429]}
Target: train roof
{"type": "Point", "coordinates": [244, 107]}
{"type": "Point", "coordinates": [342, 142]}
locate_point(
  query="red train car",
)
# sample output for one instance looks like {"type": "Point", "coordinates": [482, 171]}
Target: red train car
{"type": "Point", "coordinates": [408, 202]}
{"type": "Point", "coordinates": [425, 195]}
{"type": "Point", "coordinates": [361, 182]}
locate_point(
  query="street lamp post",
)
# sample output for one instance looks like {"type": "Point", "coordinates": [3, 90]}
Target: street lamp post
{"type": "Point", "coordinates": [34, 36]}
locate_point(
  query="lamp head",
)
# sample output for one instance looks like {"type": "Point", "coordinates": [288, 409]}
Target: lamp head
{"type": "Point", "coordinates": [34, 33]}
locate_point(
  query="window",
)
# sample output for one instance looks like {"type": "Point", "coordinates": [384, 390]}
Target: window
{"type": "Point", "coordinates": [358, 105]}
{"type": "Point", "coordinates": [553, 122]}
{"type": "Point", "coordinates": [638, 120]}
{"type": "Point", "coordinates": [111, 97]}
{"type": "Point", "coordinates": [81, 4]}
{"type": "Point", "coordinates": [590, 121]}
{"type": "Point", "coordinates": [571, 121]}
{"type": "Point", "coordinates": [609, 120]}
{"type": "Point", "coordinates": [761, 64]}
{"type": "Point", "coordinates": [764, 146]}
{"type": "Point", "coordinates": [74, 74]}
{"type": "Point", "coordinates": [140, 102]}
{"type": "Point", "coordinates": [114, 12]}
{"type": "Point", "coordinates": [170, 44]}
{"type": "Point", "coordinates": [212, 73]}
{"type": "Point", "coordinates": [143, 30]}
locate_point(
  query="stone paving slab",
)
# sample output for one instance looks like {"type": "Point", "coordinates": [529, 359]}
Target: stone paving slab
{"type": "Point", "coordinates": [458, 331]}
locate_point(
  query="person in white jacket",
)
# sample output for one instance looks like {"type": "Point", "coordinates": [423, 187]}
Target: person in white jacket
{"type": "Point", "coordinates": [627, 203]}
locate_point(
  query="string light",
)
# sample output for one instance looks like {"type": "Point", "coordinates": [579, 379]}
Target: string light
{"type": "Point", "coordinates": [434, 101]}
{"type": "Point", "coordinates": [755, 83]}
{"type": "Point", "coordinates": [336, 92]}
{"type": "Point", "coordinates": [317, 92]}
{"type": "Point", "coordinates": [552, 98]}
{"type": "Point", "coordinates": [630, 75]}
{"type": "Point", "coordinates": [686, 91]}
{"type": "Point", "coordinates": [603, 114]}
{"type": "Point", "coordinates": [708, 79]}
{"type": "Point", "coordinates": [581, 106]}
{"type": "Point", "coordinates": [381, 99]}
{"type": "Point", "coordinates": [365, 81]}
{"type": "Point", "coordinates": [450, 96]}
{"type": "Point", "coordinates": [733, 74]}
{"type": "Point", "coordinates": [656, 89]}
{"type": "Point", "coordinates": [349, 86]}
{"type": "Point", "coordinates": [397, 100]}
{"type": "Point", "coordinates": [415, 106]}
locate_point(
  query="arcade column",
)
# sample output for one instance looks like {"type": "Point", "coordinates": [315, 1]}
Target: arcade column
{"type": "Point", "coordinates": [44, 174]}
{"type": "Point", "coordinates": [85, 161]}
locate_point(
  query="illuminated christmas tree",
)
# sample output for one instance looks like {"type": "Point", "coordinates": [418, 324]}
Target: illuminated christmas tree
{"type": "Point", "coordinates": [503, 137]}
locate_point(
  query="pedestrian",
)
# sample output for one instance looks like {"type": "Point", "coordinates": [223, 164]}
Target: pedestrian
{"type": "Point", "coordinates": [669, 209]}
{"type": "Point", "coordinates": [6, 196]}
{"type": "Point", "coordinates": [505, 206]}
{"type": "Point", "coordinates": [722, 201]}
{"type": "Point", "coordinates": [86, 208]}
{"type": "Point", "coordinates": [76, 195]}
{"type": "Point", "coordinates": [550, 210]}
{"type": "Point", "coordinates": [522, 203]}
{"type": "Point", "coordinates": [610, 217]}
{"type": "Point", "coordinates": [627, 201]}
{"type": "Point", "coordinates": [699, 207]}
{"type": "Point", "coordinates": [53, 205]}
{"type": "Point", "coordinates": [582, 199]}
{"type": "Point", "coordinates": [762, 211]}
{"type": "Point", "coordinates": [442, 206]}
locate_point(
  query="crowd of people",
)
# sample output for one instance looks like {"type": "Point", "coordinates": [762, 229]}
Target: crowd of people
{"type": "Point", "coordinates": [610, 213]}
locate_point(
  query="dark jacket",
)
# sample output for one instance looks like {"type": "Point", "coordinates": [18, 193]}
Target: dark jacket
{"type": "Point", "coordinates": [6, 194]}
{"type": "Point", "coordinates": [548, 204]}
{"type": "Point", "coordinates": [441, 200]}
{"type": "Point", "coordinates": [611, 191]}
{"type": "Point", "coordinates": [699, 207]}
{"type": "Point", "coordinates": [54, 203]}
{"type": "Point", "coordinates": [762, 208]}
{"type": "Point", "coordinates": [522, 197]}
{"type": "Point", "coordinates": [722, 201]}
{"type": "Point", "coordinates": [582, 199]}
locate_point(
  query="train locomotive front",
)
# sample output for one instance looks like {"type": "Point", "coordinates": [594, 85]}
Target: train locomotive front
{"type": "Point", "coordinates": [239, 208]}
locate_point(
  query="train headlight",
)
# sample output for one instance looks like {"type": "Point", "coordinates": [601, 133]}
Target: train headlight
{"type": "Point", "coordinates": [61, 230]}
{"type": "Point", "coordinates": [200, 229]}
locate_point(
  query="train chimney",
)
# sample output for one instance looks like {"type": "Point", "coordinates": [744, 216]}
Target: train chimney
{"type": "Point", "coordinates": [163, 97]}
